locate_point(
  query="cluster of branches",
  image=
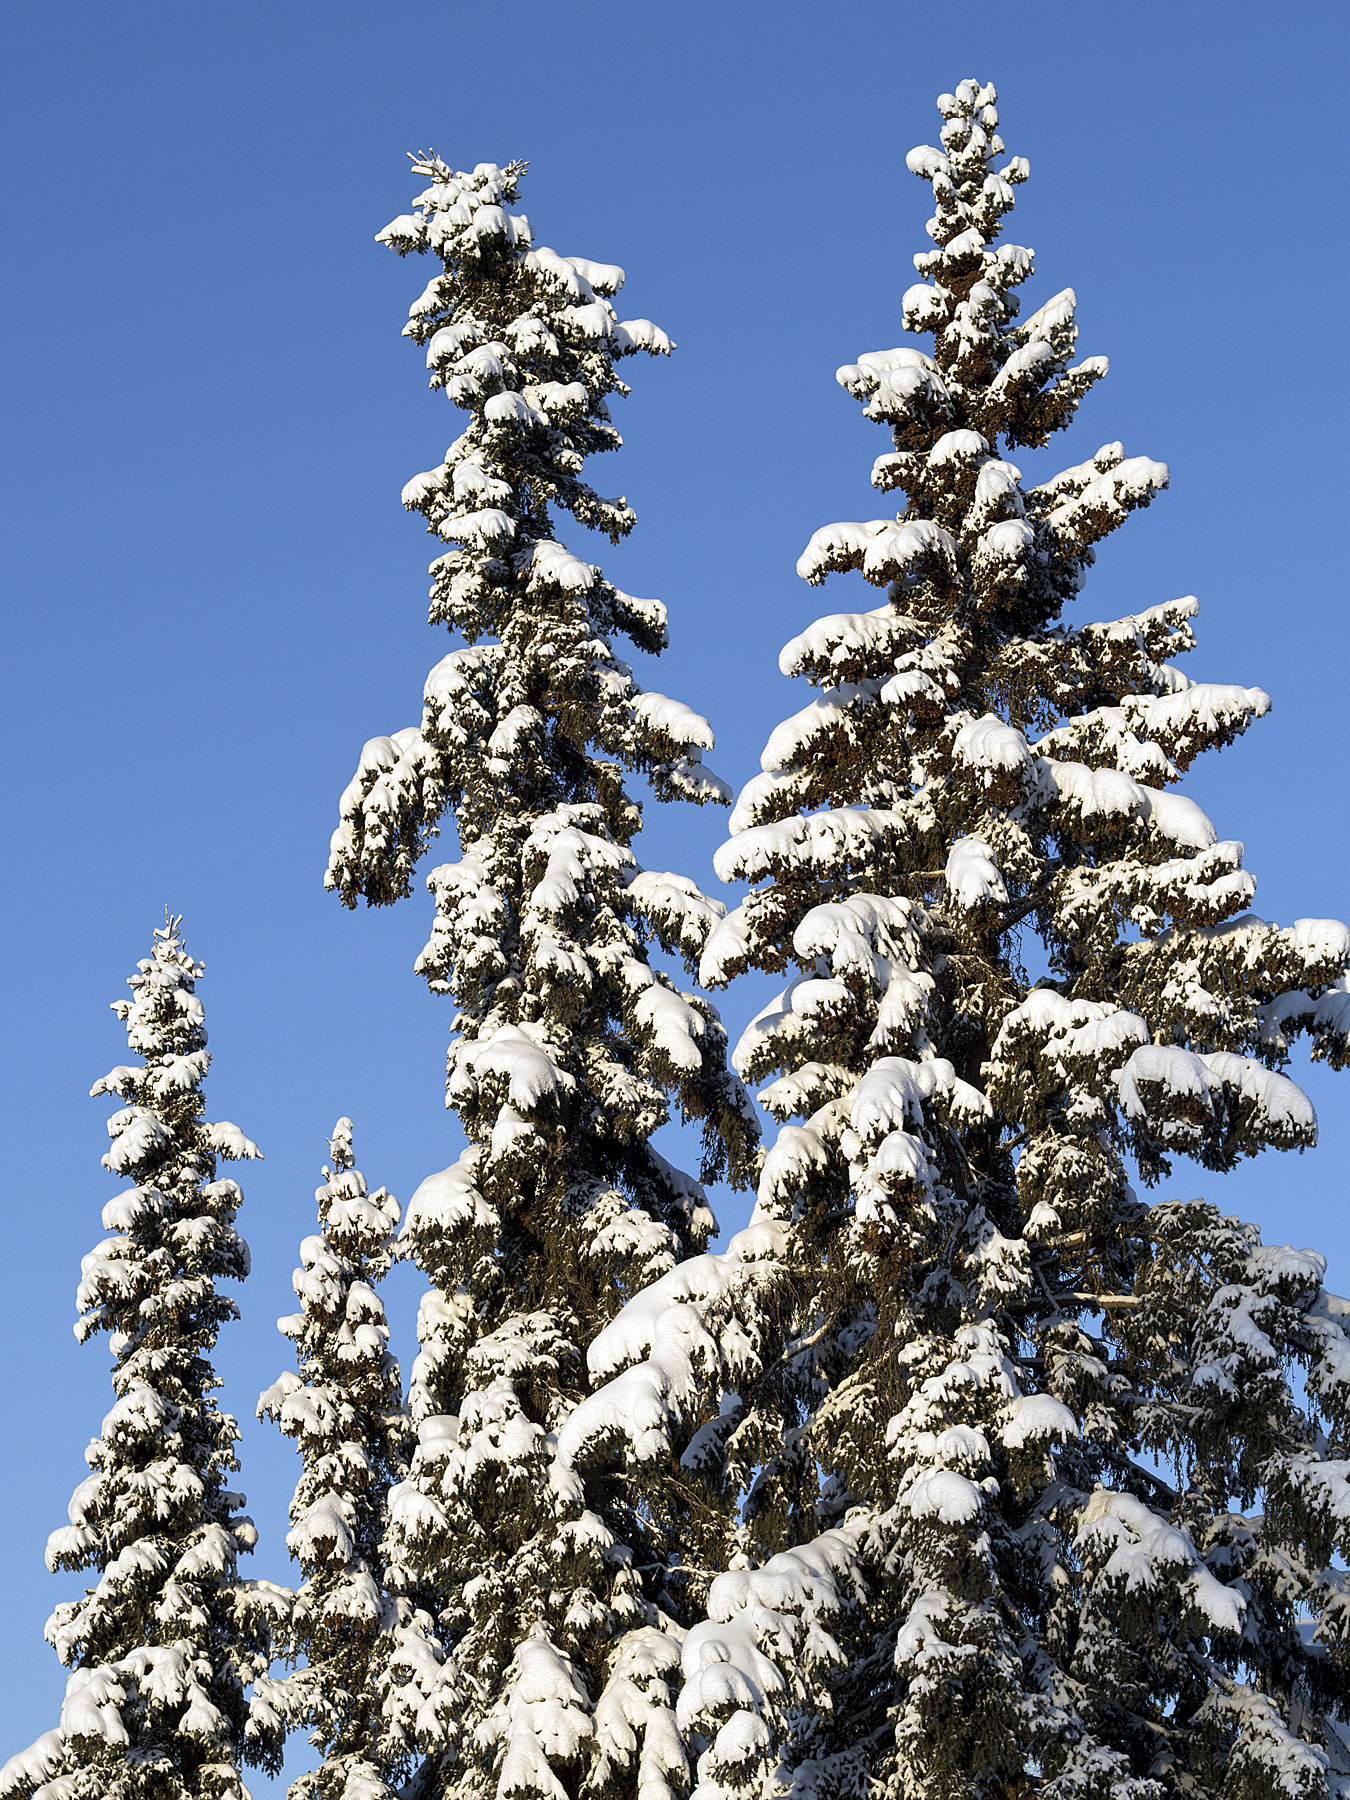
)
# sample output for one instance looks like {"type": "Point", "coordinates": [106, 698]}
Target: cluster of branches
{"type": "Point", "coordinates": [961, 1470]}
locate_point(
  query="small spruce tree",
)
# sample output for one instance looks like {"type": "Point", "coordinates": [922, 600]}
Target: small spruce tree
{"type": "Point", "coordinates": [557, 1598]}
{"type": "Point", "coordinates": [344, 1407]}
{"type": "Point", "coordinates": [164, 1647]}
{"type": "Point", "coordinates": [1044, 1490]}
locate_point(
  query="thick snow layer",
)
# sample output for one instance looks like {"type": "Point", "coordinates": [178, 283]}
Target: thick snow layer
{"type": "Point", "coordinates": [629, 335]}
{"type": "Point", "coordinates": [895, 384]}
{"type": "Point", "coordinates": [1282, 1108]}
{"type": "Point", "coordinates": [1004, 551]}
{"type": "Point", "coordinates": [1028, 366]}
{"type": "Point", "coordinates": [605, 278]}
{"type": "Point", "coordinates": [573, 861]}
{"type": "Point", "coordinates": [987, 744]}
{"type": "Point", "coordinates": [138, 1135]}
{"type": "Point", "coordinates": [1200, 714]}
{"type": "Point", "coordinates": [674, 720]}
{"type": "Point", "coordinates": [634, 1333]}
{"type": "Point", "coordinates": [671, 1347]}
{"type": "Point", "coordinates": [1176, 1073]}
{"type": "Point", "coordinates": [634, 1715]}
{"type": "Point", "coordinates": [759, 792]}
{"type": "Point", "coordinates": [1037, 1419]}
{"type": "Point", "coordinates": [1111, 794]}
{"type": "Point", "coordinates": [791, 1020]}
{"type": "Point", "coordinates": [553, 566]}
{"type": "Point", "coordinates": [727, 949]}
{"type": "Point", "coordinates": [825, 839]}
{"type": "Point", "coordinates": [1101, 503]}
{"type": "Point", "coordinates": [798, 1152]}
{"type": "Point", "coordinates": [1070, 1031]}
{"type": "Point", "coordinates": [665, 1020]}
{"type": "Point", "coordinates": [942, 1496]}
{"type": "Point", "coordinates": [1136, 1551]}
{"type": "Point", "coordinates": [1325, 1015]}
{"type": "Point", "coordinates": [1096, 793]}
{"type": "Point", "coordinates": [972, 875]}
{"type": "Point", "coordinates": [884, 549]}
{"type": "Point", "coordinates": [841, 638]}
{"type": "Point", "coordinates": [955, 448]}
{"type": "Point", "coordinates": [542, 1716]}
{"type": "Point", "coordinates": [790, 739]}
{"type": "Point", "coordinates": [1320, 943]}
{"type": "Point", "coordinates": [863, 932]}
{"type": "Point", "coordinates": [449, 1202]}
{"type": "Point", "coordinates": [323, 1533]}
{"type": "Point", "coordinates": [895, 1091]}
{"type": "Point", "coordinates": [228, 1140]}
{"type": "Point", "coordinates": [1159, 1079]}
{"type": "Point", "coordinates": [677, 905]}
{"type": "Point", "coordinates": [561, 274]}
{"type": "Point", "coordinates": [1050, 319]}
{"type": "Point", "coordinates": [90, 1708]}
{"type": "Point", "coordinates": [900, 1156]}
{"type": "Point", "coordinates": [767, 1634]}
{"type": "Point", "coordinates": [510, 408]}
{"type": "Point", "coordinates": [530, 1073]}
{"type": "Point", "coordinates": [593, 321]}
{"type": "Point", "coordinates": [914, 690]}
{"type": "Point", "coordinates": [1179, 820]}
{"type": "Point", "coordinates": [486, 528]}
{"type": "Point", "coordinates": [794, 1016]}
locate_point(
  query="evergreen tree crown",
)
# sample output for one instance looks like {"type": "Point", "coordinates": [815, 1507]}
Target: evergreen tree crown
{"type": "Point", "coordinates": [548, 1586]}
{"type": "Point", "coordinates": [964, 1565]}
{"type": "Point", "coordinates": [164, 1647]}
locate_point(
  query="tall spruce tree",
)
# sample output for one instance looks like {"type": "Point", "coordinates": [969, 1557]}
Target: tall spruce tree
{"type": "Point", "coordinates": [557, 1599]}
{"type": "Point", "coordinates": [165, 1645]}
{"type": "Point", "coordinates": [1044, 1490]}
{"type": "Point", "coordinates": [344, 1408]}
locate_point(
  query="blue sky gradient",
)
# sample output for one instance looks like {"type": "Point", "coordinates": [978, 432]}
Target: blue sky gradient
{"type": "Point", "coordinates": [212, 595]}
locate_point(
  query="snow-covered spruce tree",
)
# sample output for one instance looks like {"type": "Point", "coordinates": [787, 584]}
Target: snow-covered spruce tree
{"type": "Point", "coordinates": [1045, 1490]}
{"type": "Point", "coordinates": [344, 1407]}
{"type": "Point", "coordinates": [557, 1598]}
{"type": "Point", "coordinates": [165, 1646]}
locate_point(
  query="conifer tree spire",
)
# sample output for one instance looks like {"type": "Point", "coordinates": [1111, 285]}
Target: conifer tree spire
{"type": "Point", "coordinates": [1043, 1490]}
{"type": "Point", "coordinates": [163, 1648]}
{"type": "Point", "coordinates": [556, 1597]}
{"type": "Point", "coordinates": [344, 1407]}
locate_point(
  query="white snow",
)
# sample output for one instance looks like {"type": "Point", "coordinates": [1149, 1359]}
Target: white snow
{"type": "Point", "coordinates": [942, 1495]}
{"type": "Point", "coordinates": [530, 1073]}
{"type": "Point", "coordinates": [449, 1201]}
{"type": "Point", "coordinates": [640, 334]}
{"type": "Point", "coordinates": [1140, 1551]}
{"type": "Point", "coordinates": [670, 1346]}
{"type": "Point", "coordinates": [1036, 1419]}
{"type": "Point", "coordinates": [767, 1632]}
{"type": "Point", "coordinates": [1282, 1112]}
{"type": "Point", "coordinates": [972, 874]}
{"type": "Point", "coordinates": [553, 566]}
{"type": "Point", "coordinates": [884, 549]}
{"type": "Point", "coordinates": [992, 747]}
{"type": "Point", "coordinates": [674, 720]}
{"type": "Point", "coordinates": [1179, 820]}
{"type": "Point", "coordinates": [791, 740]}
{"type": "Point", "coordinates": [842, 636]}
{"type": "Point", "coordinates": [826, 839]}
{"type": "Point", "coordinates": [894, 1092]}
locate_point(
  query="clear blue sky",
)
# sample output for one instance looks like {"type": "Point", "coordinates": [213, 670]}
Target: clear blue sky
{"type": "Point", "coordinates": [212, 596]}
